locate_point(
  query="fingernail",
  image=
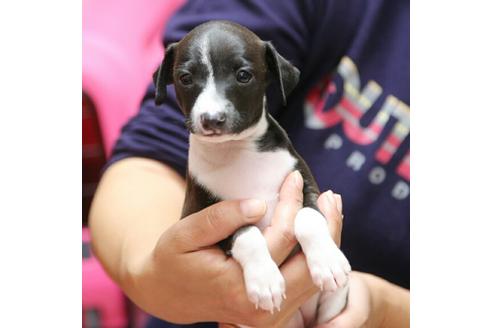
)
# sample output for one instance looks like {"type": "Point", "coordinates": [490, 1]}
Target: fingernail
{"type": "Point", "coordinates": [298, 179]}
{"type": "Point", "coordinates": [252, 208]}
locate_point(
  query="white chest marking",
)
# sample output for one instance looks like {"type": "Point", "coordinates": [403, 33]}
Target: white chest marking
{"type": "Point", "coordinates": [236, 170]}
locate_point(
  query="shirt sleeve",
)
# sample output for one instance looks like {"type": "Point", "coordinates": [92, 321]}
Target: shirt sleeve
{"type": "Point", "coordinates": [158, 132]}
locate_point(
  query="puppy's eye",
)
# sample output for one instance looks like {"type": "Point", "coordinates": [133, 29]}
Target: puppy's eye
{"type": "Point", "coordinates": [243, 76]}
{"type": "Point", "coordinates": [186, 79]}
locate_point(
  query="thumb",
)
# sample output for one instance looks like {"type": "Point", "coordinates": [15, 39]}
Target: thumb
{"type": "Point", "coordinates": [217, 222]}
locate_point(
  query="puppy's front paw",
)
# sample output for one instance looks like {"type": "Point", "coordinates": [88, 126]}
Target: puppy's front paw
{"type": "Point", "coordinates": [265, 285]}
{"type": "Point", "coordinates": [328, 266]}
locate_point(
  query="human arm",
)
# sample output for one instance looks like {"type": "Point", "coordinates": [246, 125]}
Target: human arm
{"type": "Point", "coordinates": [136, 200]}
{"type": "Point", "coordinates": [166, 267]}
{"type": "Point", "coordinates": [140, 259]}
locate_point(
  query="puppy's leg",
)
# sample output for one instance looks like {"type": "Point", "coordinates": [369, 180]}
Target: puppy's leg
{"type": "Point", "coordinates": [264, 283]}
{"type": "Point", "coordinates": [328, 266]}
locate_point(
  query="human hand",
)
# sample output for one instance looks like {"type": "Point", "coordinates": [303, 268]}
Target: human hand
{"type": "Point", "coordinates": [330, 205]}
{"type": "Point", "coordinates": [359, 309]}
{"type": "Point", "coordinates": [372, 302]}
{"type": "Point", "coordinates": [188, 278]}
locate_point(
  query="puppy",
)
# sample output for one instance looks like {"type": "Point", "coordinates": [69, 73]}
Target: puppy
{"type": "Point", "coordinates": [221, 71]}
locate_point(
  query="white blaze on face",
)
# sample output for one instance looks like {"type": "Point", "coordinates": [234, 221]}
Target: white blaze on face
{"type": "Point", "coordinates": [209, 100]}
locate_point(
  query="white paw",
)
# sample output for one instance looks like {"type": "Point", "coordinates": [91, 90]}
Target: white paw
{"type": "Point", "coordinates": [265, 285]}
{"type": "Point", "coordinates": [328, 266]}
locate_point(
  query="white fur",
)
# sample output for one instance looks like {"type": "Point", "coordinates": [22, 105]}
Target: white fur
{"type": "Point", "coordinates": [328, 266]}
{"type": "Point", "coordinates": [204, 54]}
{"type": "Point", "coordinates": [209, 101]}
{"type": "Point", "coordinates": [230, 167]}
{"type": "Point", "coordinates": [236, 170]}
{"type": "Point", "coordinates": [246, 136]}
{"type": "Point", "coordinates": [264, 283]}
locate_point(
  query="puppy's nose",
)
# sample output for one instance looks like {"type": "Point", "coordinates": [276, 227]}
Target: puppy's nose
{"type": "Point", "coordinates": [212, 121]}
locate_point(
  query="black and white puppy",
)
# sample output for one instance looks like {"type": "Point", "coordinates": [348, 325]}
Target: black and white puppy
{"type": "Point", "coordinates": [221, 71]}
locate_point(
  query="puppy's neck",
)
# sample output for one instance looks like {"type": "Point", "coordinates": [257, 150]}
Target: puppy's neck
{"type": "Point", "coordinates": [222, 149]}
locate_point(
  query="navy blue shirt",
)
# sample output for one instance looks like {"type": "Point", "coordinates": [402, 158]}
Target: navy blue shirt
{"type": "Point", "coordinates": [348, 117]}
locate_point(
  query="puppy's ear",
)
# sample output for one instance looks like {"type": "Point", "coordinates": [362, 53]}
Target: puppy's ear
{"type": "Point", "coordinates": [164, 74]}
{"type": "Point", "coordinates": [286, 73]}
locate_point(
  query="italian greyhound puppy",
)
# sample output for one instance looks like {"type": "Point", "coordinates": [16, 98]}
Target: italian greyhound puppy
{"type": "Point", "coordinates": [220, 72]}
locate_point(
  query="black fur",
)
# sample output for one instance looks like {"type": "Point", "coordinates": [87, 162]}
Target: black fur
{"type": "Point", "coordinates": [276, 138]}
{"type": "Point", "coordinates": [232, 48]}
{"type": "Point", "coordinates": [198, 197]}
{"type": "Point", "coordinates": [235, 48]}
{"type": "Point", "coordinates": [164, 75]}
{"type": "Point", "coordinates": [284, 72]}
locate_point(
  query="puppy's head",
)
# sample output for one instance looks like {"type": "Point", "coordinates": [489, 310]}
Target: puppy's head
{"type": "Point", "coordinates": [220, 71]}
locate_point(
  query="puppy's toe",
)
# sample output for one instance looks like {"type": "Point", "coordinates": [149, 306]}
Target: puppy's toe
{"type": "Point", "coordinates": [266, 301]}
{"type": "Point", "coordinates": [278, 295]}
{"type": "Point", "coordinates": [265, 286]}
{"type": "Point", "coordinates": [328, 267]}
{"type": "Point", "coordinates": [339, 275]}
{"type": "Point", "coordinates": [329, 283]}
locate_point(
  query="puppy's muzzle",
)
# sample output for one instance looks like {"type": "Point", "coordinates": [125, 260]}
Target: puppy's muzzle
{"type": "Point", "coordinates": [213, 124]}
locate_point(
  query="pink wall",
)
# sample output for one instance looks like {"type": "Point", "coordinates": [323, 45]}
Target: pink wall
{"type": "Point", "coordinates": [121, 48]}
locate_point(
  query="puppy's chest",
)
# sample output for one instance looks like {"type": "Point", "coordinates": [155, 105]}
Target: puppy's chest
{"type": "Point", "coordinates": [242, 174]}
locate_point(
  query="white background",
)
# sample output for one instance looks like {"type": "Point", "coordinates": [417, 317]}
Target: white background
{"type": "Point", "coordinates": [451, 148]}
{"type": "Point", "coordinates": [40, 167]}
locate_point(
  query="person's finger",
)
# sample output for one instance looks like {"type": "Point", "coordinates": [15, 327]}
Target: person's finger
{"type": "Point", "coordinates": [299, 288]}
{"type": "Point", "coordinates": [330, 205]}
{"type": "Point", "coordinates": [299, 285]}
{"type": "Point", "coordinates": [356, 311]}
{"type": "Point", "coordinates": [216, 222]}
{"type": "Point", "coordinates": [351, 319]}
{"type": "Point", "coordinates": [227, 325]}
{"type": "Point", "coordinates": [280, 235]}
{"type": "Point", "coordinates": [339, 202]}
